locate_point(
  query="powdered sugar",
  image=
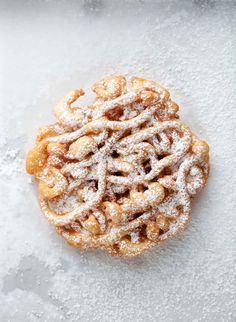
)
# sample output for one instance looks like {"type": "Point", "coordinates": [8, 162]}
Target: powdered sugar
{"type": "Point", "coordinates": [51, 48]}
{"type": "Point", "coordinates": [101, 175]}
{"type": "Point", "coordinates": [10, 163]}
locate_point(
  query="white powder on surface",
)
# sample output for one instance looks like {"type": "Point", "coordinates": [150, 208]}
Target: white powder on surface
{"type": "Point", "coordinates": [49, 48]}
{"type": "Point", "coordinates": [11, 164]}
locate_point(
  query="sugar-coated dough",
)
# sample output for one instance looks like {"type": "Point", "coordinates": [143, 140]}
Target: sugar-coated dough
{"type": "Point", "coordinates": [120, 173]}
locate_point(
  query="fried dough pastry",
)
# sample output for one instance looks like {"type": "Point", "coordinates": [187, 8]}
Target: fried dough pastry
{"type": "Point", "coordinates": [121, 173]}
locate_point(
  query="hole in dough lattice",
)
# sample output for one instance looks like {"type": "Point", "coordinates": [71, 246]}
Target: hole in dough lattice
{"type": "Point", "coordinates": [120, 173]}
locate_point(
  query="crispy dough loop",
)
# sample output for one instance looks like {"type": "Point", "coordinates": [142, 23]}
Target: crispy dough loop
{"type": "Point", "coordinates": [138, 83]}
{"type": "Point", "coordinates": [113, 212]}
{"type": "Point", "coordinates": [52, 183]}
{"type": "Point", "coordinates": [67, 115]}
{"type": "Point", "coordinates": [201, 149]}
{"type": "Point", "coordinates": [37, 158]}
{"type": "Point", "coordinates": [110, 87]}
{"type": "Point", "coordinates": [48, 131]}
{"type": "Point", "coordinates": [91, 224]}
{"type": "Point", "coordinates": [121, 173]}
{"type": "Point", "coordinates": [81, 148]}
{"type": "Point", "coordinates": [57, 149]}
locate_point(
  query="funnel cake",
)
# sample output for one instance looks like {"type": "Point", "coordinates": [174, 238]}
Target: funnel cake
{"type": "Point", "coordinates": [121, 173]}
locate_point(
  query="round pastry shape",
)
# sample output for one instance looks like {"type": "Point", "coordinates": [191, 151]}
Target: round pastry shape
{"type": "Point", "coordinates": [121, 173]}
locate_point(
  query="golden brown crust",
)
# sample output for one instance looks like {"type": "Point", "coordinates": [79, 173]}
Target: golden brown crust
{"type": "Point", "coordinates": [120, 174]}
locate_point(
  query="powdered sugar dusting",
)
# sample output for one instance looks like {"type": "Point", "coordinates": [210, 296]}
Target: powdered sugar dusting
{"type": "Point", "coordinates": [51, 48]}
{"type": "Point", "coordinates": [156, 142]}
{"type": "Point", "coordinates": [11, 164]}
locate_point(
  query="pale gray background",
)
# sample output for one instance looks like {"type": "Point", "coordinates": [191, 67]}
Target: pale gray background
{"type": "Point", "coordinates": [50, 47]}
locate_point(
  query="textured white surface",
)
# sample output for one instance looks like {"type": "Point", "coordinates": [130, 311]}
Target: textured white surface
{"type": "Point", "coordinates": [50, 47]}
